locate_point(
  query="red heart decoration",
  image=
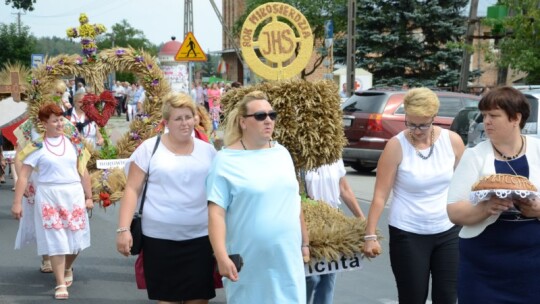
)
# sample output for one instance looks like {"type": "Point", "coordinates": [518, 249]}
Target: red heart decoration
{"type": "Point", "coordinates": [105, 99]}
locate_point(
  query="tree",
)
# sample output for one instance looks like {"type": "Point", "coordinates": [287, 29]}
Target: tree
{"type": "Point", "coordinates": [410, 41]}
{"type": "Point", "coordinates": [123, 35]}
{"type": "Point", "coordinates": [27, 5]}
{"type": "Point", "coordinates": [53, 46]}
{"type": "Point", "coordinates": [317, 12]}
{"type": "Point", "coordinates": [520, 46]}
{"type": "Point", "coordinates": [17, 43]}
{"type": "Point", "coordinates": [208, 67]}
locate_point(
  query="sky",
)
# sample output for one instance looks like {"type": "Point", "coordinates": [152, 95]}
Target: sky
{"type": "Point", "coordinates": [157, 19]}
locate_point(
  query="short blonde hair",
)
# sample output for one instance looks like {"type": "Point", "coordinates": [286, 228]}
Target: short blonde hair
{"type": "Point", "coordinates": [177, 100]}
{"type": "Point", "coordinates": [421, 102]}
{"type": "Point", "coordinates": [233, 131]}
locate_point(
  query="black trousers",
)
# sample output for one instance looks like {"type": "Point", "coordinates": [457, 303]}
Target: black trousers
{"type": "Point", "coordinates": [414, 257]}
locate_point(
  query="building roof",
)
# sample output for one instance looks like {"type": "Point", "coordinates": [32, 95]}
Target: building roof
{"type": "Point", "coordinates": [171, 47]}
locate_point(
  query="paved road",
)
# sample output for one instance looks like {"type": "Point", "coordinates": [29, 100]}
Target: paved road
{"type": "Point", "coordinates": [103, 276]}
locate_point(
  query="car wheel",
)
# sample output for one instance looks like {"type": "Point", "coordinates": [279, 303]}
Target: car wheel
{"type": "Point", "coordinates": [361, 168]}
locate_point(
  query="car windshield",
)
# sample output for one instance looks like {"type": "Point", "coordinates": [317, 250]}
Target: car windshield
{"type": "Point", "coordinates": [368, 103]}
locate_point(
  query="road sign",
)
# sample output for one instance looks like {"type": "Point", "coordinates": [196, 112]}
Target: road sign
{"type": "Point", "coordinates": [190, 50]}
{"type": "Point", "coordinates": [37, 59]}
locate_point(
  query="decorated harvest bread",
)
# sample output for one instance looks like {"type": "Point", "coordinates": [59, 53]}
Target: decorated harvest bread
{"type": "Point", "coordinates": [503, 181]}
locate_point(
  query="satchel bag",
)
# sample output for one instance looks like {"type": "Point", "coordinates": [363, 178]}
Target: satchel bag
{"type": "Point", "coordinates": [136, 224]}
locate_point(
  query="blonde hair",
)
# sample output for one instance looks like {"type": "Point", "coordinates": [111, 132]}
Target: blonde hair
{"type": "Point", "coordinates": [176, 100]}
{"type": "Point", "coordinates": [233, 131]}
{"type": "Point", "coordinates": [421, 102]}
{"type": "Point", "coordinates": [60, 86]}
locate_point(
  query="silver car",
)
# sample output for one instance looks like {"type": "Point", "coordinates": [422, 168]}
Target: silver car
{"type": "Point", "coordinates": [476, 127]}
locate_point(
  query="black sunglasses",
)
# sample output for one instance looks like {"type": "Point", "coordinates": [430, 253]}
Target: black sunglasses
{"type": "Point", "coordinates": [261, 116]}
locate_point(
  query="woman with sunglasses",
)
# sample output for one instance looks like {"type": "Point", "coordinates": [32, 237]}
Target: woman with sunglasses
{"type": "Point", "coordinates": [254, 210]}
{"type": "Point", "coordinates": [416, 166]}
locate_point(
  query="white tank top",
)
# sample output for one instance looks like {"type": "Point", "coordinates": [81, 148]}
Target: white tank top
{"type": "Point", "coordinates": [421, 186]}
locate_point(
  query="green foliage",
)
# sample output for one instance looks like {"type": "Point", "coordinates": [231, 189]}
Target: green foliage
{"type": "Point", "coordinates": [126, 76]}
{"type": "Point", "coordinates": [123, 35]}
{"type": "Point", "coordinates": [55, 46]}
{"type": "Point", "coordinates": [520, 44]}
{"type": "Point", "coordinates": [27, 5]}
{"type": "Point", "coordinates": [109, 150]}
{"type": "Point", "coordinates": [16, 45]}
{"type": "Point", "coordinates": [317, 12]}
{"type": "Point", "coordinates": [209, 67]}
{"type": "Point", "coordinates": [411, 41]}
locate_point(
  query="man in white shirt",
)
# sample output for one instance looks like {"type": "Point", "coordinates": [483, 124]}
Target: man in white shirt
{"type": "Point", "coordinates": [119, 94]}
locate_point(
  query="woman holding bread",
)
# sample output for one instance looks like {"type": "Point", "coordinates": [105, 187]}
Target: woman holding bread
{"type": "Point", "coordinates": [500, 239]}
{"type": "Point", "coordinates": [417, 166]}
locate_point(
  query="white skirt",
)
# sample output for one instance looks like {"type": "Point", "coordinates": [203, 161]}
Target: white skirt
{"type": "Point", "coordinates": [62, 225]}
{"type": "Point", "coordinates": [26, 234]}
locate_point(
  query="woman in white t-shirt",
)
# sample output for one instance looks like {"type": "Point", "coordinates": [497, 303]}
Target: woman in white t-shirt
{"type": "Point", "coordinates": [63, 195]}
{"type": "Point", "coordinates": [417, 166]}
{"type": "Point", "coordinates": [178, 260]}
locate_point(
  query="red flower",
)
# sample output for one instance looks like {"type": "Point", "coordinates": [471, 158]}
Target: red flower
{"type": "Point", "coordinates": [109, 105]}
{"type": "Point", "coordinates": [104, 197]}
{"type": "Point", "coordinates": [106, 203]}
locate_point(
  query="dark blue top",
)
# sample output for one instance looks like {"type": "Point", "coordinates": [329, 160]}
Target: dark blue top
{"type": "Point", "coordinates": [520, 165]}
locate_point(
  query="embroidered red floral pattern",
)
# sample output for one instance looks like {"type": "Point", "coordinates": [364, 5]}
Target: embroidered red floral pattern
{"type": "Point", "coordinates": [62, 218]}
{"type": "Point", "coordinates": [31, 193]}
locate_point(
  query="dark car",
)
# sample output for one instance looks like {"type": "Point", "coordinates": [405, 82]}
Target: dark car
{"type": "Point", "coordinates": [371, 118]}
{"type": "Point", "coordinates": [464, 118]}
{"type": "Point", "coordinates": [476, 126]}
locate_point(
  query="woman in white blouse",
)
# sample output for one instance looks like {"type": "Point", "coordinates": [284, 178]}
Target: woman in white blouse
{"type": "Point", "coordinates": [178, 260]}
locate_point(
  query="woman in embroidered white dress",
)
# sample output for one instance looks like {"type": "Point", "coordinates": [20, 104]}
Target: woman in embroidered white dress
{"type": "Point", "coordinates": [62, 197]}
{"type": "Point", "coordinates": [87, 128]}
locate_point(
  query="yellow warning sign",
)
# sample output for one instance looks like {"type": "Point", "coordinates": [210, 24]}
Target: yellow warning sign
{"type": "Point", "coordinates": [190, 50]}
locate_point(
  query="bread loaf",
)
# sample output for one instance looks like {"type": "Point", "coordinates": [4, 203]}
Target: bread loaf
{"type": "Point", "coordinates": [503, 181]}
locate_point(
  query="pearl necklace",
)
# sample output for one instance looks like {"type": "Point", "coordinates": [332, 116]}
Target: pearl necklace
{"type": "Point", "coordinates": [62, 141]}
{"type": "Point", "coordinates": [422, 156]}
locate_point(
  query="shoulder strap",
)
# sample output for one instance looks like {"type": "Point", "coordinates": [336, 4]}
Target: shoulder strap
{"type": "Point", "coordinates": [147, 173]}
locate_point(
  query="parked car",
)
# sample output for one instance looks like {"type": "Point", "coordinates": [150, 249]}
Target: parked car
{"type": "Point", "coordinates": [371, 118]}
{"type": "Point", "coordinates": [476, 126]}
{"type": "Point", "coordinates": [461, 123]}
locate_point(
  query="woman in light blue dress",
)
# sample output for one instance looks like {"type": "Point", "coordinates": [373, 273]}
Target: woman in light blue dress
{"type": "Point", "coordinates": [254, 210]}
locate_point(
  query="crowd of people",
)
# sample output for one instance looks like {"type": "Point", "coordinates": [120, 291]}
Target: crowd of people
{"type": "Point", "coordinates": [203, 207]}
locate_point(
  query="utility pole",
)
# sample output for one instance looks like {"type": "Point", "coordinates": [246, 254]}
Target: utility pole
{"type": "Point", "coordinates": [18, 21]}
{"type": "Point", "coordinates": [351, 47]}
{"type": "Point", "coordinates": [466, 60]}
{"type": "Point", "coordinates": [188, 27]}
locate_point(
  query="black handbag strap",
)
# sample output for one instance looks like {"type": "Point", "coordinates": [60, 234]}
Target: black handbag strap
{"type": "Point", "coordinates": [148, 173]}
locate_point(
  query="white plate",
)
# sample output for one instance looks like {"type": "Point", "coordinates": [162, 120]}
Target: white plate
{"type": "Point", "coordinates": [482, 195]}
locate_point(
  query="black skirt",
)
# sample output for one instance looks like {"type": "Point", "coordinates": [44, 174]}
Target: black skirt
{"type": "Point", "coordinates": [178, 270]}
